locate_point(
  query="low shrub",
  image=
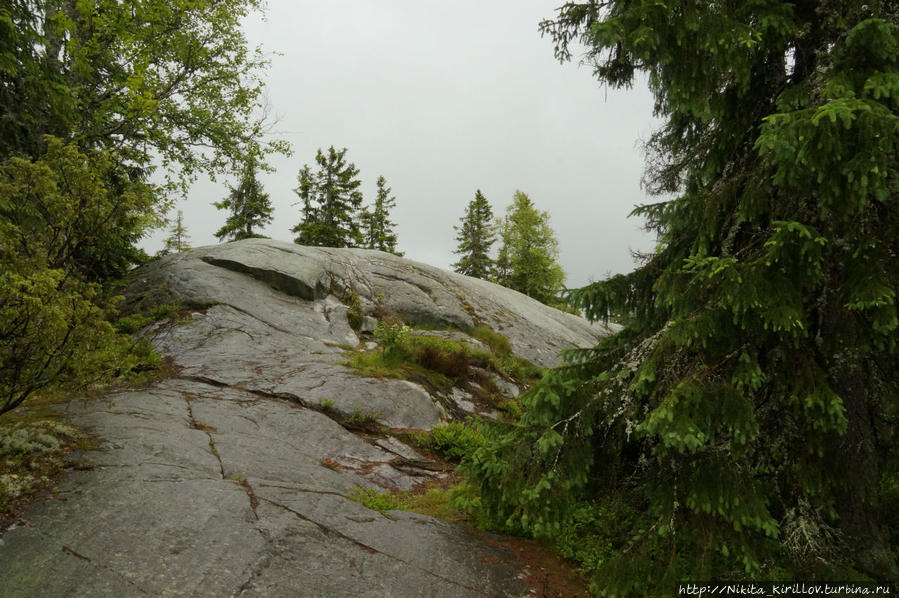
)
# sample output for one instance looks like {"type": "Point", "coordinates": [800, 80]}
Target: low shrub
{"type": "Point", "coordinates": [456, 440]}
{"type": "Point", "coordinates": [456, 364]}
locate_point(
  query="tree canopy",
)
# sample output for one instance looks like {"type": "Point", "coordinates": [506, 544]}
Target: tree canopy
{"type": "Point", "coordinates": [528, 257]}
{"type": "Point", "coordinates": [475, 236]}
{"type": "Point", "coordinates": [331, 202]}
{"type": "Point", "coordinates": [95, 97]}
{"type": "Point", "coordinates": [53, 320]}
{"type": "Point", "coordinates": [747, 411]}
{"type": "Point", "coordinates": [150, 76]}
{"type": "Point", "coordinates": [250, 207]}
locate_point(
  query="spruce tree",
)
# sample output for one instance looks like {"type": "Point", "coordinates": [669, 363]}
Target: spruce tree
{"type": "Point", "coordinates": [377, 228]}
{"type": "Point", "coordinates": [746, 415]}
{"type": "Point", "coordinates": [331, 202]}
{"type": "Point", "coordinates": [475, 236]}
{"type": "Point", "coordinates": [528, 258]}
{"type": "Point", "coordinates": [178, 240]}
{"type": "Point", "coordinates": [250, 208]}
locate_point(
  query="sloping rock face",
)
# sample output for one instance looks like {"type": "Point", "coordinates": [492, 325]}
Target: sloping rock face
{"type": "Point", "coordinates": [278, 322]}
{"type": "Point", "coordinates": [233, 477]}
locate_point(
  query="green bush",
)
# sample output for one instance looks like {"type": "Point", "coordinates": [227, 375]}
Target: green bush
{"type": "Point", "coordinates": [393, 337]}
{"type": "Point", "coordinates": [456, 440]}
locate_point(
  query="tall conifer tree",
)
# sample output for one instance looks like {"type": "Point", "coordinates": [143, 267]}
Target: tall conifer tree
{"type": "Point", "coordinates": [475, 236]}
{"type": "Point", "coordinates": [377, 228]}
{"type": "Point", "coordinates": [747, 413]}
{"type": "Point", "coordinates": [528, 258]}
{"type": "Point", "coordinates": [331, 202]}
{"type": "Point", "coordinates": [250, 208]}
{"type": "Point", "coordinates": [178, 239]}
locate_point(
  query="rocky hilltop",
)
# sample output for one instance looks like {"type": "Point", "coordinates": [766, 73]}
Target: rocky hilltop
{"type": "Point", "coordinates": [235, 475]}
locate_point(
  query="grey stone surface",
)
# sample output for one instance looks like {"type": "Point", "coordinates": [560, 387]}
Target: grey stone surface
{"type": "Point", "coordinates": [277, 325]}
{"type": "Point", "coordinates": [233, 477]}
{"type": "Point", "coordinates": [200, 490]}
{"type": "Point", "coordinates": [284, 285]}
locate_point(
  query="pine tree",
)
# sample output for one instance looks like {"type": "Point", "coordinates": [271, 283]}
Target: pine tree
{"type": "Point", "coordinates": [331, 202]}
{"type": "Point", "coordinates": [178, 240]}
{"type": "Point", "coordinates": [747, 412]}
{"type": "Point", "coordinates": [377, 229]}
{"type": "Point", "coordinates": [528, 257]}
{"type": "Point", "coordinates": [250, 208]}
{"type": "Point", "coordinates": [475, 236]}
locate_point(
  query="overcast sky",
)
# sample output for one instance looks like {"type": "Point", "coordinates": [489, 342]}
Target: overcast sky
{"type": "Point", "coordinates": [443, 98]}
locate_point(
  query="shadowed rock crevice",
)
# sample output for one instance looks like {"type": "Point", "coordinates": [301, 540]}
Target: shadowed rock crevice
{"type": "Point", "coordinates": [279, 281]}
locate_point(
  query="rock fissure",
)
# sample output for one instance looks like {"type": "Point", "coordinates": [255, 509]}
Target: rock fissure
{"type": "Point", "coordinates": [336, 533]}
{"type": "Point", "coordinates": [255, 317]}
{"type": "Point", "coordinates": [194, 424]}
{"type": "Point", "coordinates": [304, 490]}
{"type": "Point", "coordinates": [261, 564]}
{"type": "Point", "coordinates": [90, 561]}
{"type": "Point", "coordinates": [296, 400]}
{"type": "Point", "coordinates": [254, 502]}
{"type": "Point", "coordinates": [71, 551]}
{"type": "Point", "coordinates": [421, 287]}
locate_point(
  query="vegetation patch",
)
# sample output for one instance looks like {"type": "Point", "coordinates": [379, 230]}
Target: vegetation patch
{"type": "Point", "coordinates": [431, 499]}
{"type": "Point", "coordinates": [176, 311]}
{"type": "Point", "coordinates": [354, 311]}
{"type": "Point", "coordinates": [363, 421]}
{"type": "Point", "coordinates": [453, 440]}
{"type": "Point", "coordinates": [497, 342]}
{"type": "Point", "coordinates": [443, 363]}
{"type": "Point", "coordinates": [32, 457]}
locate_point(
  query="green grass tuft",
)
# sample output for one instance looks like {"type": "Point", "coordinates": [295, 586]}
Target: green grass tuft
{"type": "Point", "coordinates": [498, 343]}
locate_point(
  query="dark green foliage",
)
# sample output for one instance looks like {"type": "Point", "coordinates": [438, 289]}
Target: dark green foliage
{"type": "Point", "coordinates": [528, 258]}
{"type": "Point", "coordinates": [175, 312]}
{"type": "Point", "coordinates": [748, 409]}
{"type": "Point", "coordinates": [53, 321]}
{"type": "Point", "coordinates": [93, 97]}
{"type": "Point", "coordinates": [136, 78]}
{"type": "Point", "coordinates": [455, 440]}
{"type": "Point", "coordinates": [250, 208]}
{"type": "Point", "coordinates": [331, 201]}
{"type": "Point", "coordinates": [377, 229]}
{"type": "Point", "coordinates": [475, 236]}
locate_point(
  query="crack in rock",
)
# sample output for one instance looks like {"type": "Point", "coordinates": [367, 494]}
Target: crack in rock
{"type": "Point", "coordinates": [205, 429]}
{"type": "Point", "coordinates": [254, 501]}
{"type": "Point", "coordinates": [335, 533]}
{"type": "Point", "coordinates": [91, 562]}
